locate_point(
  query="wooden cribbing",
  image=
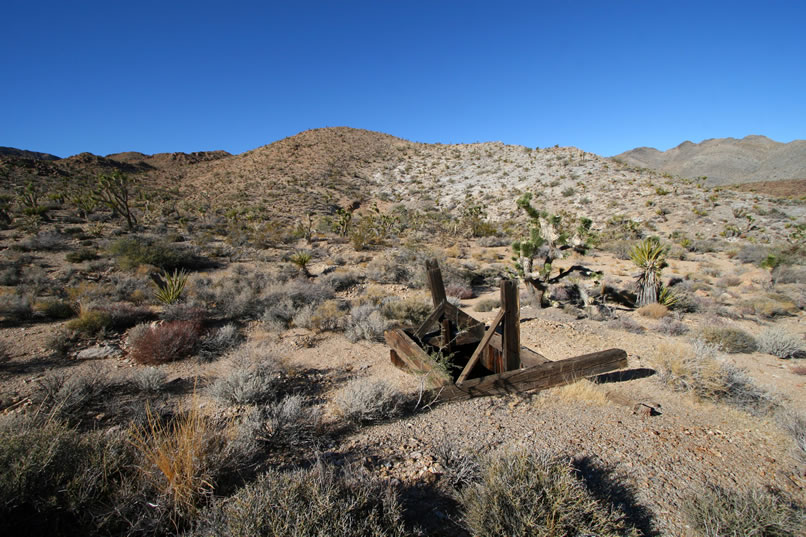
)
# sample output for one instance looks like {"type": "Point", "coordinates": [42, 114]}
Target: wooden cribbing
{"type": "Point", "coordinates": [539, 377]}
{"type": "Point", "coordinates": [435, 282]}
{"type": "Point", "coordinates": [406, 354]}
{"type": "Point", "coordinates": [511, 328]}
{"type": "Point", "coordinates": [474, 359]}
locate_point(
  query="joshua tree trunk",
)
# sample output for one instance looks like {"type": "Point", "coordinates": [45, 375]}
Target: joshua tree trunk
{"type": "Point", "coordinates": [648, 287]}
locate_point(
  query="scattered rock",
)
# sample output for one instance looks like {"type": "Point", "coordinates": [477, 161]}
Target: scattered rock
{"type": "Point", "coordinates": [646, 410]}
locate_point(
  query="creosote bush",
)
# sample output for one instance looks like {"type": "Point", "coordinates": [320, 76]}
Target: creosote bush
{"type": "Point", "coordinates": [530, 495]}
{"type": "Point", "coordinates": [716, 512]}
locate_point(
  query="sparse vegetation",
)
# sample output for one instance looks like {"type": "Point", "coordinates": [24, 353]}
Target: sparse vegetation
{"type": "Point", "coordinates": [780, 342]}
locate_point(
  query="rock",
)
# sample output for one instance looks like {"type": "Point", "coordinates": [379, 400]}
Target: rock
{"type": "Point", "coordinates": [645, 409]}
{"type": "Point", "coordinates": [99, 352]}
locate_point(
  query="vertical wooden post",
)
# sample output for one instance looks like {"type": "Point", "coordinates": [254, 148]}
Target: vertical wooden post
{"type": "Point", "coordinates": [511, 324]}
{"type": "Point", "coordinates": [435, 282]}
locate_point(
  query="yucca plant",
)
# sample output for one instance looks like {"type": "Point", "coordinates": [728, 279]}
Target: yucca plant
{"type": "Point", "coordinates": [650, 256]}
{"type": "Point", "coordinates": [301, 260]}
{"type": "Point", "coordinates": [169, 286]}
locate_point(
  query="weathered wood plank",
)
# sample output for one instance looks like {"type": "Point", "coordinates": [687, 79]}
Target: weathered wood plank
{"type": "Point", "coordinates": [435, 283]}
{"type": "Point", "coordinates": [528, 356]}
{"type": "Point", "coordinates": [511, 325]}
{"type": "Point", "coordinates": [538, 377]}
{"type": "Point", "coordinates": [414, 357]}
{"type": "Point", "coordinates": [474, 358]}
{"type": "Point", "coordinates": [432, 318]}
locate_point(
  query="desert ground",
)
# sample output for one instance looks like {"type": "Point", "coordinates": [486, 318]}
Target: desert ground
{"type": "Point", "coordinates": [194, 344]}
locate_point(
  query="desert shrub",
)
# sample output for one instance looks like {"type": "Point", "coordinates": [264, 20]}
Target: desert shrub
{"type": "Point", "coordinates": [671, 327]}
{"type": "Point", "coordinates": [795, 425]}
{"type": "Point", "coordinates": [365, 322]}
{"type": "Point", "coordinates": [81, 255]}
{"type": "Point", "coordinates": [329, 315]}
{"type": "Point", "coordinates": [625, 323]}
{"type": "Point", "coordinates": [399, 266]}
{"type": "Point", "coordinates": [341, 281]}
{"type": "Point", "coordinates": [619, 248]}
{"type": "Point", "coordinates": [462, 467]}
{"type": "Point", "coordinates": [717, 512]}
{"type": "Point", "coordinates": [699, 369]}
{"type": "Point", "coordinates": [169, 286]}
{"type": "Point", "coordinates": [68, 396]}
{"type": "Point", "coordinates": [780, 342]}
{"type": "Point", "coordinates": [789, 275]}
{"type": "Point", "coordinates": [411, 309]}
{"type": "Point", "coordinates": [219, 341]}
{"type": "Point", "coordinates": [278, 314]}
{"type": "Point", "coordinates": [46, 240]}
{"type": "Point", "coordinates": [527, 494]}
{"type": "Point", "coordinates": [132, 252]}
{"type": "Point", "coordinates": [769, 307]}
{"type": "Point", "coordinates": [122, 315]}
{"type": "Point", "coordinates": [487, 304]}
{"type": "Point", "coordinates": [54, 309]}
{"type": "Point", "coordinates": [288, 422]}
{"type": "Point", "coordinates": [729, 339]}
{"type": "Point", "coordinates": [752, 254]}
{"type": "Point", "coordinates": [366, 400]}
{"type": "Point", "coordinates": [494, 241]}
{"type": "Point", "coordinates": [90, 322]}
{"type": "Point", "coordinates": [462, 292]}
{"type": "Point", "coordinates": [253, 378]}
{"type": "Point", "coordinates": [728, 281]}
{"type": "Point", "coordinates": [316, 501]}
{"type": "Point", "coordinates": [149, 380]}
{"type": "Point", "coordinates": [55, 480]}
{"type": "Point", "coordinates": [166, 342]}
{"type": "Point", "coordinates": [653, 311]}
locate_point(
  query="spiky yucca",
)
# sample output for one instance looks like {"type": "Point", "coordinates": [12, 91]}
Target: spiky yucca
{"type": "Point", "coordinates": [650, 256]}
{"type": "Point", "coordinates": [169, 286]}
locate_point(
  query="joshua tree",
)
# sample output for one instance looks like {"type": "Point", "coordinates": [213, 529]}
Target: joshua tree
{"type": "Point", "coordinates": [114, 191]}
{"type": "Point", "coordinates": [650, 256]}
{"type": "Point", "coordinates": [547, 239]}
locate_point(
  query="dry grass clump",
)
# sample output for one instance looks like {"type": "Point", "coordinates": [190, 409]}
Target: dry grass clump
{"type": "Point", "coordinates": [716, 512]}
{"type": "Point", "coordinates": [698, 369]}
{"type": "Point", "coordinates": [149, 380]}
{"type": "Point", "coordinates": [319, 501]}
{"type": "Point", "coordinates": [625, 323]}
{"type": "Point", "coordinates": [67, 397]}
{"type": "Point", "coordinates": [729, 339]}
{"type": "Point", "coordinates": [366, 400]}
{"type": "Point", "coordinates": [461, 292]}
{"type": "Point", "coordinates": [412, 309]}
{"type": "Point", "coordinates": [181, 458]}
{"type": "Point", "coordinates": [582, 390]}
{"type": "Point", "coordinates": [528, 494]}
{"type": "Point", "coordinates": [780, 342]}
{"type": "Point", "coordinates": [653, 311]}
{"type": "Point", "coordinates": [770, 306]}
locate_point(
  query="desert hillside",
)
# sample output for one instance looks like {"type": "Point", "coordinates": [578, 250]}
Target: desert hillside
{"type": "Point", "coordinates": [200, 344]}
{"type": "Point", "coordinates": [726, 161]}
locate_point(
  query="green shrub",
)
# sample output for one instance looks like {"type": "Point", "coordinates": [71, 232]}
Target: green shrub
{"type": "Point", "coordinates": [413, 309]}
{"type": "Point", "coordinates": [54, 309]}
{"type": "Point", "coordinates": [528, 495]}
{"type": "Point", "coordinates": [169, 286]}
{"type": "Point", "coordinates": [90, 322]}
{"type": "Point", "coordinates": [135, 251]}
{"type": "Point", "coordinates": [84, 254]}
{"type": "Point", "coordinates": [716, 512]}
{"type": "Point", "coordinates": [487, 304]}
{"type": "Point", "coordinates": [319, 501]}
{"type": "Point", "coordinates": [730, 340]}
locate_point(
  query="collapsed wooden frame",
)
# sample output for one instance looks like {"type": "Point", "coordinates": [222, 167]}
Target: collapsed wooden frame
{"type": "Point", "coordinates": [498, 364]}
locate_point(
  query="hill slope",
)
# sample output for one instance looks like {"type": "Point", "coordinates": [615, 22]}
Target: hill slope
{"type": "Point", "coordinates": [726, 160]}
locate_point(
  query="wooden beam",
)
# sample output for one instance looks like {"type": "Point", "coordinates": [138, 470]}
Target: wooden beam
{"type": "Point", "coordinates": [474, 358]}
{"type": "Point", "coordinates": [435, 283]}
{"type": "Point", "coordinates": [429, 321]}
{"type": "Point", "coordinates": [538, 377]}
{"type": "Point", "coordinates": [511, 328]}
{"type": "Point", "coordinates": [415, 359]}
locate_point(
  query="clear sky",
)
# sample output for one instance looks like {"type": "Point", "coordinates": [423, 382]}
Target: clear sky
{"type": "Point", "coordinates": [605, 76]}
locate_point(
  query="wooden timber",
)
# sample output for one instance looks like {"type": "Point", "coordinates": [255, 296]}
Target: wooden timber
{"type": "Point", "coordinates": [408, 355]}
{"type": "Point", "coordinates": [538, 377]}
{"type": "Point", "coordinates": [476, 356]}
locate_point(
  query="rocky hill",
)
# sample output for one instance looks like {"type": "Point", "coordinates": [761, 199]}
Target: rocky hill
{"type": "Point", "coordinates": [726, 161]}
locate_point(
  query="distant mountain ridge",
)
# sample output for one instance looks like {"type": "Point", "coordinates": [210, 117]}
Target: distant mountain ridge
{"type": "Point", "coordinates": [726, 161]}
{"type": "Point", "coordinates": [22, 153]}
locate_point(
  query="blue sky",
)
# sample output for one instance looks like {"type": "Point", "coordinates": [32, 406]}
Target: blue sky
{"type": "Point", "coordinates": [605, 76]}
